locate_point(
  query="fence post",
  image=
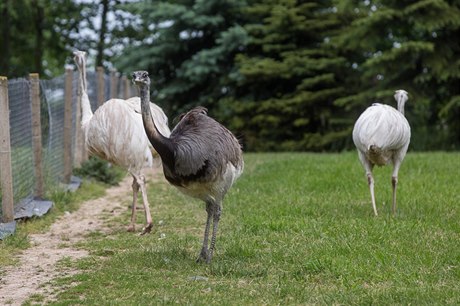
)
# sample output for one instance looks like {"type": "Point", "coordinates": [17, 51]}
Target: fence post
{"type": "Point", "coordinates": [134, 90]}
{"type": "Point", "coordinates": [36, 133]}
{"type": "Point", "coordinates": [79, 141]}
{"type": "Point", "coordinates": [100, 86]}
{"type": "Point", "coordinates": [113, 84]}
{"type": "Point", "coordinates": [125, 83]}
{"type": "Point", "coordinates": [68, 126]}
{"type": "Point", "coordinates": [5, 154]}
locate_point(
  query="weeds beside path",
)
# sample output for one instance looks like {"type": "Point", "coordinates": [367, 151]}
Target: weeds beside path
{"type": "Point", "coordinates": [39, 264]}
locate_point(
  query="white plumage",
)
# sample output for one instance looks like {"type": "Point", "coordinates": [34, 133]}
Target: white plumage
{"type": "Point", "coordinates": [382, 135]}
{"type": "Point", "coordinates": [115, 132]}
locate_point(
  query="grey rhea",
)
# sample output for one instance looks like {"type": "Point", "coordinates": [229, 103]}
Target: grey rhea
{"type": "Point", "coordinates": [115, 133]}
{"type": "Point", "coordinates": [382, 135]}
{"type": "Point", "coordinates": [201, 158]}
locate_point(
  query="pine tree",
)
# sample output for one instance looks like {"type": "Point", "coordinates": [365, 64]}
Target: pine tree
{"type": "Point", "coordinates": [414, 46]}
{"type": "Point", "coordinates": [289, 77]}
{"type": "Point", "coordinates": [187, 46]}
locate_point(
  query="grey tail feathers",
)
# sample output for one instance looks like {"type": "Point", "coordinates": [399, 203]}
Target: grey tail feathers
{"type": "Point", "coordinates": [376, 155]}
{"type": "Point", "coordinates": [373, 149]}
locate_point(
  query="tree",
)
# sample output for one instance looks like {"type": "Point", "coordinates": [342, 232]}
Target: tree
{"type": "Point", "coordinates": [102, 32]}
{"type": "Point", "coordinates": [289, 77]}
{"type": "Point", "coordinates": [406, 44]}
{"type": "Point", "coordinates": [37, 35]}
{"type": "Point", "coordinates": [187, 46]}
{"type": "Point", "coordinates": [110, 37]}
{"type": "Point", "coordinates": [6, 37]}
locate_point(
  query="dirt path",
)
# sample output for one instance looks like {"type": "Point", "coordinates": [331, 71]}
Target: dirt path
{"type": "Point", "coordinates": [37, 265]}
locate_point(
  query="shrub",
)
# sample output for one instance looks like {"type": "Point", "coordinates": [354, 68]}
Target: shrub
{"type": "Point", "coordinates": [100, 170]}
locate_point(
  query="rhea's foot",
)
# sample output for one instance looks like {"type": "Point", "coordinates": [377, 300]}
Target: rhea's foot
{"type": "Point", "coordinates": [147, 229]}
{"type": "Point", "coordinates": [204, 256]}
{"type": "Point", "coordinates": [131, 228]}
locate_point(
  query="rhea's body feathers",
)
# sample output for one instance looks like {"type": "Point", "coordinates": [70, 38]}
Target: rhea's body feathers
{"type": "Point", "coordinates": [200, 157]}
{"type": "Point", "coordinates": [115, 132]}
{"type": "Point", "coordinates": [382, 135]}
{"type": "Point", "coordinates": [380, 132]}
{"type": "Point", "coordinates": [204, 151]}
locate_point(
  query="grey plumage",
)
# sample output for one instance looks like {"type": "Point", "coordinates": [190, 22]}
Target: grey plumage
{"type": "Point", "coordinates": [204, 146]}
{"type": "Point", "coordinates": [201, 158]}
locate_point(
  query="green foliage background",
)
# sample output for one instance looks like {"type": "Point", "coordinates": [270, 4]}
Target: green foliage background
{"type": "Point", "coordinates": [282, 74]}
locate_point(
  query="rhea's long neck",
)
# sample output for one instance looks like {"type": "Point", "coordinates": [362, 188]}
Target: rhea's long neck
{"type": "Point", "coordinates": [161, 144]}
{"type": "Point", "coordinates": [401, 103]}
{"type": "Point", "coordinates": [86, 112]}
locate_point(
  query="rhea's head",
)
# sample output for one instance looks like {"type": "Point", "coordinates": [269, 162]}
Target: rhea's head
{"type": "Point", "coordinates": [141, 78]}
{"type": "Point", "coordinates": [401, 95]}
{"type": "Point", "coordinates": [79, 57]}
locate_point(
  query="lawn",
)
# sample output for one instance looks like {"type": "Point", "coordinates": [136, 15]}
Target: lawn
{"type": "Point", "coordinates": [297, 228]}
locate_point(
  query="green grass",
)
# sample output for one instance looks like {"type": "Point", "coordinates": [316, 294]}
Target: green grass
{"type": "Point", "coordinates": [99, 175]}
{"type": "Point", "coordinates": [63, 201]}
{"type": "Point", "coordinates": [296, 229]}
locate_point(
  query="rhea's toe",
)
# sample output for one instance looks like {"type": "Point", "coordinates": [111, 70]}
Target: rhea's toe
{"type": "Point", "coordinates": [203, 257]}
{"type": "Point", "coordinates": [147, 229]}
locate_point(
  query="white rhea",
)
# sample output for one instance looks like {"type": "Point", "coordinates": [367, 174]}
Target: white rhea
{"type": "Point", "coordinates": [115, 132]}
{"type": "Point", "coordinates": [382, 135]}
{"type": "Point", "coordinates": [201, 158]}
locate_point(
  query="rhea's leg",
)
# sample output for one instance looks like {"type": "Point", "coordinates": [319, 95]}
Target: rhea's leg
{"type": "Point", "coordinates": [216, 219]}
{"type": "Point", "coordinates": [204, 249]}
{"type": "Point", "coordinates": [394, 183]}
{"type": "Point", "coordinates": [148, 216]}
{"type": "Point", "coordinates": [132, 225]}
{"type": "Point", "coordinates": [370, 179]}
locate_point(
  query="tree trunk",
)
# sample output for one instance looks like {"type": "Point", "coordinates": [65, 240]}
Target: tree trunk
{"type": "Point", "coordinates": [102, 33]}
{"type": "Point", "coordinates": [39, 25]}
{"type": "Point", "coordinates": [5, 49]}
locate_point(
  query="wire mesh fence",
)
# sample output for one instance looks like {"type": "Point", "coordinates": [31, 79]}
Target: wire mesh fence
{"type": "Point", "coordinates": [21, 138]}
{"type": "Point", "coordinates": [93, 90]}
{"type": "Point", "coordinates": [54, 93]}
{"type": "Point", "coordinates": [53, 97]}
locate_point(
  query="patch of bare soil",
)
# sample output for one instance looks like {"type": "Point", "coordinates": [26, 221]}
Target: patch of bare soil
{"type": "Point", "coordinates": [38, 264]}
